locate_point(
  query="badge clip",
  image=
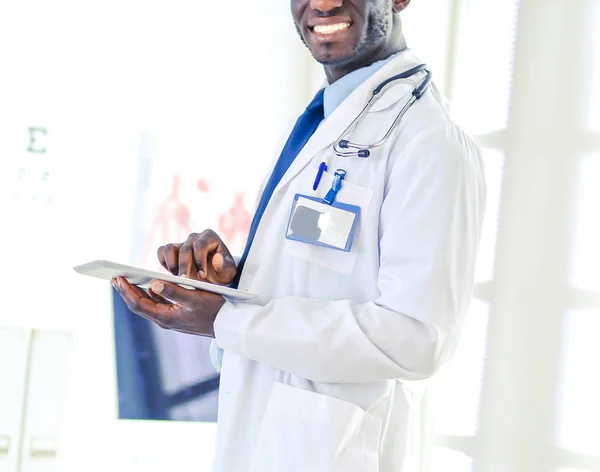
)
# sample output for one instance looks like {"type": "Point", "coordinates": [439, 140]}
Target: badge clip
{"type": "Point", "coordinates": [335, 186]}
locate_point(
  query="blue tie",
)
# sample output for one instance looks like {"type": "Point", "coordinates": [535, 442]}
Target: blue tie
{"type": "Point", "coordinates": [305, 127]}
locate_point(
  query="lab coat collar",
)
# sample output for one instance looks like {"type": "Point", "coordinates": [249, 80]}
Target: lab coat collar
{"type": "Point", "coordinates": [401, 62]}
{"type": "Point", "coordinates": [331, 128]}
{"type": "Point", "coordinates": [336, 93]}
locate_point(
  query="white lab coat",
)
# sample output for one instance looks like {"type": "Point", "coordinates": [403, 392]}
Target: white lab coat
{"type": "Point", "coordinates": [317, 371]}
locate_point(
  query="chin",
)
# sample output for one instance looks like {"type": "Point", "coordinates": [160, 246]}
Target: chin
{"type": "Point", "coordinates": [333, 58]}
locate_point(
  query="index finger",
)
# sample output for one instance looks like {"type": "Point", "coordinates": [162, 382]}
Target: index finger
{"type": "Point", "coordinates": [207, 242]}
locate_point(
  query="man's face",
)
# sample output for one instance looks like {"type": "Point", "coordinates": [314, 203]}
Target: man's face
{"type": "Point", "coordinates": [341, 32]}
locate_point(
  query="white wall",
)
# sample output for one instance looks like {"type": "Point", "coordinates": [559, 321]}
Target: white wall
{"type": "Point", "coordinates": [98, 75]}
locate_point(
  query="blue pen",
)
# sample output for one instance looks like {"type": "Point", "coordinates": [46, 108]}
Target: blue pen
{"type": "Point", "coordinates": [322, 169]}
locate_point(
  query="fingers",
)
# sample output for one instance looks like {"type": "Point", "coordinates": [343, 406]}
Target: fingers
{"type": "Point", "coordinates": [139, 291]}
{"type": "Point", "coordinates": [160, 254]}
{"type": "Point", "coordinates": [168, 256]}
{"type": "Point", "coordinates": [202, 256]}
{"type": "Point", "coordinates": [173, 307]}
{"type": "Point", "coordinates": [207, 242]}
{"type": "Point", "coordinates": [171, 254]}
{"type": "Point", "coordinates": [141, 303]}
{"type": "Point", "coordinates": [187, 265]}
{"type": "Point", "coordinates": [224, 267]}
{"type": "Point", "coordinates": [217, 262]}
{"type": "Point", "coordinates": [156, 297]}
{"type": "Point", "coordinates": [181, 296]}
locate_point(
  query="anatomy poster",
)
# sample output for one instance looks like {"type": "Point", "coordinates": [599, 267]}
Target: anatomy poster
{"type": "Point", "coordinates": [180, 191]}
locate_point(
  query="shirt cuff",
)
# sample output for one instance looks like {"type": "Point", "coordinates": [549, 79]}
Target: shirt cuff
{"type": "Point", "coordinates": [231, 325]}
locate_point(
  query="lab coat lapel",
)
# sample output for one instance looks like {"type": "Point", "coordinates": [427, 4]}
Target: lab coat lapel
{"type": "Point", "coordinates": [340, 119]}
{"type": "Point", "coordinates": [324, 136]}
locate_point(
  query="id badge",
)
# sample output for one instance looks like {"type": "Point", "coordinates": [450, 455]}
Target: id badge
{"type": "Point", "coordinates": [329, 225]}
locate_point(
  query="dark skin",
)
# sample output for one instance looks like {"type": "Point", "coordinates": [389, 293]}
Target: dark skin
{"type": "Point", "coordinates": [371, 31]}
{"type": "Point", "coordinates": [343, 35]}
{"type": "Point", "coordinates": [202, 257]}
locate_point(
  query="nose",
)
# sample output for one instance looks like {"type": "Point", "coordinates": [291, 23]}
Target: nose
{"type": "Point", "coordinates": [325, 5]}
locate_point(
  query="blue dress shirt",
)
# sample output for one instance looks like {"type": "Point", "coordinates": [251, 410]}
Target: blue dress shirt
{"type": "Point", "coordinates": [341, 89]}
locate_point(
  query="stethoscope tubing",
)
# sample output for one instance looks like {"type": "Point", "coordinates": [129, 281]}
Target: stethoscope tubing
{"type": "Point", "coordinates": [363, 150]}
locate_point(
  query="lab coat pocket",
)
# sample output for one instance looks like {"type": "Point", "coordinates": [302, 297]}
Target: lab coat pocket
{"type": "Point", "coordinates": [333, 259]}
{"type": "Point", "coordinates": [303, 431]}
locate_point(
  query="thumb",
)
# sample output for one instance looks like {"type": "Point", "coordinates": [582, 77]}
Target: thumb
{"type": "Point", "coordinates": [224, 267]}
{"type": "Point", "coordinates": [219, 262]}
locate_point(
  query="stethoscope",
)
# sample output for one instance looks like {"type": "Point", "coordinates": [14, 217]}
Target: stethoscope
{"type": "Point", "coordinates": [346, 148]}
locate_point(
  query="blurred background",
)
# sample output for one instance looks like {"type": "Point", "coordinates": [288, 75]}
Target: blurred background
{"type": "Point", "coordinates": [124, 125]}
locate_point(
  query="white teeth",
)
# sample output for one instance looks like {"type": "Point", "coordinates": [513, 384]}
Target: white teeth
{"type": "Point", "coordinates": [330, 29]}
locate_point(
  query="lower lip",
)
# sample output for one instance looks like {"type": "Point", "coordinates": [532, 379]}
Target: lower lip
{"type": "Point", "coordinates": [328, 38]}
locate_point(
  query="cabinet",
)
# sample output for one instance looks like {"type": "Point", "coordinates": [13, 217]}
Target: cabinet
{"type": "Point", "coordinates": [35, 366]}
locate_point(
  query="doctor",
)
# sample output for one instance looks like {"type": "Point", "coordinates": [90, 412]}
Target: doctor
{"type": "Point", "coordinates": [318, 372]}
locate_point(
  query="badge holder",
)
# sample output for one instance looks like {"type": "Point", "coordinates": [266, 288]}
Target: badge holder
{"type": "Point", "coordinates": [324, 221]}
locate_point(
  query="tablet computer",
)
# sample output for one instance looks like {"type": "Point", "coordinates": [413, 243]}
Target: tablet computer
{"type": "Point", "coordinates": [108, 270]}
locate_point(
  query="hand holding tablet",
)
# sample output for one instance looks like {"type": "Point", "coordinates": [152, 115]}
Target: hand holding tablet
{"type": "Point", "coordinates": [141, 277]}
{"type": "Point", "coordinates": [186, 304]}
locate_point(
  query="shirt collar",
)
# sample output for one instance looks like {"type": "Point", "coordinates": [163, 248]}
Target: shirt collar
{"type": "Point", "coordinates": [341, 89]}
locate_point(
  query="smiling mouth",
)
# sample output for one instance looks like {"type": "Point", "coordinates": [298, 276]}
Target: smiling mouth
{"type": "Point", "coordinates": [326, 30]}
